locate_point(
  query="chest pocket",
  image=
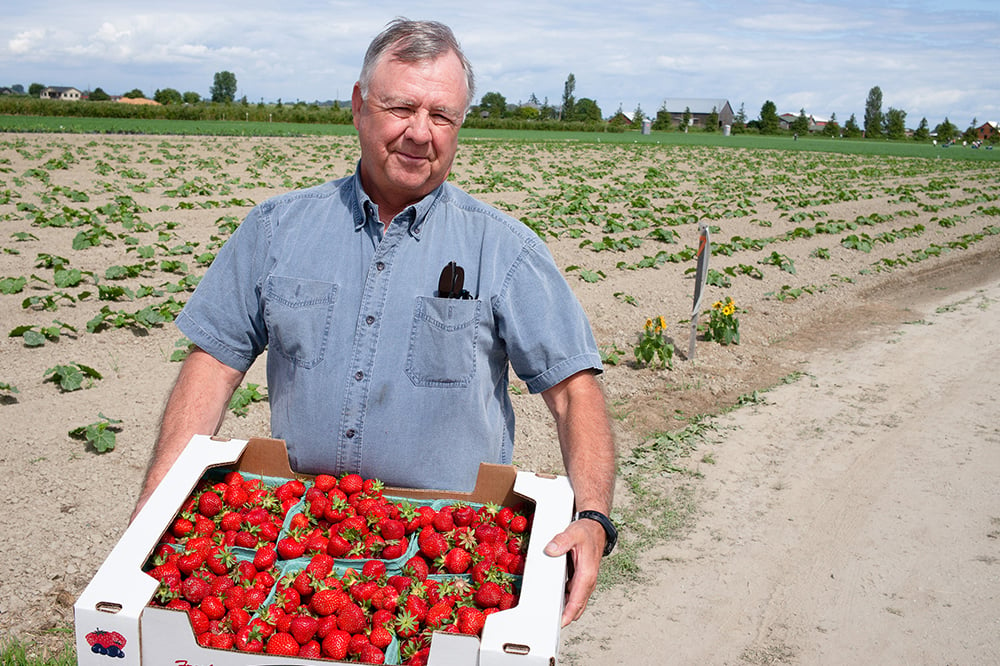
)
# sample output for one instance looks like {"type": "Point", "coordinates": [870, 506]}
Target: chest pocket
{"type": "Point", "coordinates": [442, 350]}
{"type": "Point", "coordinates": [298, 313]}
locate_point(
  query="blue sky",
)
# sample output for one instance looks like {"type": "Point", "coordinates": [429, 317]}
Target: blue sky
{"type": "Point", "coordinates": [930, 59]}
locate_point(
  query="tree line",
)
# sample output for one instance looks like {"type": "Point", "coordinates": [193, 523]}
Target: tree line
{"type": "Point", "coordinates": [493, 111]}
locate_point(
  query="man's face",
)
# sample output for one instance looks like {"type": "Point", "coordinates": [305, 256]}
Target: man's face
{"type": "Point", "coordinates": [408, 128]}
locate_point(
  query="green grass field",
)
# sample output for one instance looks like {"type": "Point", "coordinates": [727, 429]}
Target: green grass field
{"type": "Point", "coordinates": [751, 141]}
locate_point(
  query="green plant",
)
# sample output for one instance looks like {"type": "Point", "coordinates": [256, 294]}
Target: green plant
{"type": "Point", "coordinates": [723, 325]}
{"type": "Point", "coordinates": [611, 354]}
{"type": "Point", "coordinates": [99, 434]}
{"type": "Point", "coordinates": [243, 397]}
{"type": "Point", "coordinates": [654, 345]}
{"type": "Point", "coordinates": [9, 389]}
{"type": "Point", "coordinates": [35, 336]}
{"type": "Point", "coordinates": [72, 377]}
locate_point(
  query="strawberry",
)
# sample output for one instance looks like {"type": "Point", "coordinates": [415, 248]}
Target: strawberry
{"type": "Point", "coordinates": [235, 496]}
{"type": "Point", "coordinates": [335, 644]}
{"type": "Point", "coordinates": [338, 546]}
{"type": "Point", "coordinates": [352, 619]}
{"type": "Point", "coordinates": [470, 620]}
{"type": "Point", "coordinates": [311, 650]}
{"type": "Point", "coordinates": [195, 589]}
{"type": "Point", "coordinates": [416, 567]}
{"type": "Point", "coordinates": [373, 569]}
{"type": "Point", "coordinates": [392, 529]}
{"type": "Point", "coordinates": [181, 527]}
{"type": "Point", "coordinates": [371, 655]}
{"type": "Point", "coordinates": [457, 561]}
{"type": "Point", "coordinates": [255, 596]}
{"type": "Point", "coordinates": [328, 602]}
{"type": "Point", "coordinates": [395, 549]}
{"type": "Point", "coordinates": [351, 483]}
{"type": "Point", "coordinates": [444, 521]}
{"type": "Point", "coordinates": [438, 615]}
{"type": "Point", "coordinates": [265, 558]}
{"type": "Point", "coordinates": [432, 544]}
{"type": "Point", "coordinates": [380, 637]}
{"type": "Point", "coordinates": [213, 608]}
{"type": "Point", "coordinates": [290, 549]}
{"type": "Point", "coordinates": [320, 565]}
{"type": "Point", "coordinates": [303, 628]}
{"type": "Point", "coordinates": [518, 524]}
{"type": "Point", "coordinates": [489, 594]}
{"type": "Point", "coordinates": [199, 621]}
{"type": "Point", "coordinates": [249, 639]}
{"type": "Point", "coordinates": [282, 644]}
{"type": "Point", "coordinates": [209, 504]}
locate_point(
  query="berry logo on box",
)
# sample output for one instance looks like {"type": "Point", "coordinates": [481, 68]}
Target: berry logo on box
{"type": "Point", "coordinates": [106, 642]}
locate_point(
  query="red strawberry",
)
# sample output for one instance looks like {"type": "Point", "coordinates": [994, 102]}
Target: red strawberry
{"type": "Point", "coordinates": [303, 628]}
{"type": "Point", "coordinates": [199, 621]}
{"type": "Point", "coordinates": [432, 544]}
{"type": "Point", "coordinates": [489, 594]}
{"type": "Point", "coordinates": [371, 655]}
{"type": "Point", "coordinates": [470, 620]}
{"type": "Point", "coordinates": [335, 644]}
{"type": "Point", "coordinates": [518, 524]}
{"type": "Point", "coordinates": [235, 496]}
{"type": "Point", "coordinates": [290, 549]}
{"type": "Point", "coordinates": [311, 650]}
{"type": "Point", "coordinates": [265, 558]}
{"type": "Point", "coordinates": [416, 567]}
{"type": "Point", "coordinates": [283, 644]}
{"type": "Point", "coordinates": [351, 483]}
{"type": "Point", "coordinates": [438, 614]}
{"type": "Point", "coordinates": [380, 637]}
{"type": "Point", "coordinates": [328, 602]}
{"type": "Point", "coordinates": [209, 504]}
{"type": "Point", "coordinates": [457, 561]}
{"type": "Point", "coordinates": [213, 608]}
{"type": "Point", "coordinates": [444, 521]}
{"type": "Point", "coordinates": [181, 527]}
{"type": "Point", "coordinates": [249, 639]}
{"type": "Point", "coordinates": [195, 589]}
{"type": "Point", "coordinates": [352, 619]}
{"type": "Point", "coordinates": [373, 569]}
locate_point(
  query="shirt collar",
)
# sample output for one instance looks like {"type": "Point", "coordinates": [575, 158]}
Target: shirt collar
{"type": "Point", "coordinates": [413, 215]}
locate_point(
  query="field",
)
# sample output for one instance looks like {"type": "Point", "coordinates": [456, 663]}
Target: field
{"type": "Point", "coordinates": [104, 236]}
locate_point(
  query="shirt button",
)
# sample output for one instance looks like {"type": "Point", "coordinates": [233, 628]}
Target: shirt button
{"type": "Point", "coordinates": [369, 320]}
{"type": "Point", "coordinates": [380, 265]}
{"type": "Point", "coordinates": [350, 433]}
{"type": "Point", "coordinates": [359, 375]}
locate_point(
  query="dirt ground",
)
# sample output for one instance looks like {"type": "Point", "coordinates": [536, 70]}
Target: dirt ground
{"type": "Point", "coordinates": [849, 519]}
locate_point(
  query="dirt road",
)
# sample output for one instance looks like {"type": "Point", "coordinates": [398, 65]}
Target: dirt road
{"type": "Point", "coordinates": [853, 519]}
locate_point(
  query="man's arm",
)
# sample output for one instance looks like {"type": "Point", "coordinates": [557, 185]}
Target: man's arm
{"type": "Point", "coordinates": [588, 450]}
{"type": "Point", "coordinates": [196, 406]}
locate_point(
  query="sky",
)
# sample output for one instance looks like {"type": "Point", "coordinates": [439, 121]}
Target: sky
{"type": "Point", "coordinates": [930, 59]}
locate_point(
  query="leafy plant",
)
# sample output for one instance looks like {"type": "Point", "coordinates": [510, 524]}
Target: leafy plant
{"type": "Point", "coordinates": [654, 347]}
{"type": "Point", "coordinates": [12, 285]}
{"type": "Point", "coordinates": [181, 350]}
{"type": "Point", "coordinates": [73, 376]}
{"type": "Point", "coordinates": [10, 389]}
{"type": "Point", "coordinates": [243, 397]}
{"type": "Point", "coordinates": [99, 434]}
{"type": "Point", "coordinates": [723, 325]}
{"type": "Point", "coordinates": [35, 336]}
{"type": "Point", "coordinates": [611, 354]}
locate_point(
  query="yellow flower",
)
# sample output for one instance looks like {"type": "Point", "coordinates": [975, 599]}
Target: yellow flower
{"type": "Point", "coordinates": [649, 324]}
{"type": "Point", "coordinates": [717, 305]}
{"type": "Point", "coordinates": [661, 323]}
{"type": "Point", "coordinates": [729, 310]}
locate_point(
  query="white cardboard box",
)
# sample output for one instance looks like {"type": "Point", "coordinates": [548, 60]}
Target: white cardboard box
{"type": "Point", "coordinates": [117, 598]}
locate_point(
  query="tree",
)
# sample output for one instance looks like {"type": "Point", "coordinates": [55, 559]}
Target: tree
{"type": "Point", "coordinates": [946, 131]}
{"type": "Point", "coordinates": [638, 115]}
{"type": "Point", "coordinates": [712, 122]}
{"type": "Point", "coordinates": [568, 100]}
{"type": "Point", "coordinates": [223, 87]}
{"type": "Point", "coordinates": [801, 124]}
{"type": "Point", "coordinates": [168, 96]}
{"type": "Point", "coordinates": [586, 110]}
{"type": "Point", "coordinates": [971, 133]}
{"type": "Point", "coordinates": [494, 105]}
{"type": "Point", "coordinates": [740, 121]}
{"type": "Point", "coordinates": [663, 120]}
{"type": "Point", "coordinates": [851, 129]}
{"type": "Point", "coordinates": [923, 131]}
{"type": "Point", "coordinates": [135, 93]}
{"type": "Point", "coordinates": [874, 120]}
{"type": "Point", "coordinates": [895, 123]}
{"type": "Point", "coordinates": [190, 97]}
{"type": "Point", "coordinates": [98, 95]}
{"type": "Point", "coordinates": [770, 123]}
{"type": "Point", "coordinates": [17, 89]}
{"type": "Point", "coordinates": [35, 89]}
{"type": "Point", "coordinates": [686, 118]}
{"type": "Point", "coordinates": [832, 128]}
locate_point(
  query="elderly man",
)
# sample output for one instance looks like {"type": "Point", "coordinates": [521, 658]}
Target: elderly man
{"type": "Point", "coordinates": [392, 305]}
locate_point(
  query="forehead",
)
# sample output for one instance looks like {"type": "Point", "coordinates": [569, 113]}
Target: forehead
{"type": "Point", "coordinates": [437, 83]}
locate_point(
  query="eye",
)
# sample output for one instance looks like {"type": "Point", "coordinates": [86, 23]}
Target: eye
{"type": "Point", "coordinates": [442, 119]}
{"type": "Point", "coordinates": [401, 111]}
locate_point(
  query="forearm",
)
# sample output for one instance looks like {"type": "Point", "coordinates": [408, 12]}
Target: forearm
{"type": "Point", "coordinates": [585, 439]}
{"type": "Point", "coordinates": [196, 405]}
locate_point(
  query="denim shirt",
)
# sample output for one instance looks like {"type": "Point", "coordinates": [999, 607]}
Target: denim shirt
{"type": "Point", "coordinates": [369, 370]}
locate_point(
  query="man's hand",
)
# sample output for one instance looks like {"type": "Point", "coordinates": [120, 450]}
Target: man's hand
{"type": "Point", "coordinates": [584, 541]}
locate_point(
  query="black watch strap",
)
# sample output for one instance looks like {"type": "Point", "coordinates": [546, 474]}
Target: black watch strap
{"type": "Point", "coordinates": [610, 531]}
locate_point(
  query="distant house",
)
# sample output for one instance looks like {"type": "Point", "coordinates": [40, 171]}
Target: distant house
{"type": "Point", "coordinates": [987, 131]}
{"type": "Point", "coordinates": [60, 92]}
{"type": "Point", "coordinates": [700, 110]}
{"type": "Point", "coordinates": [816, 124]}
{"type": "Point", "coordinates": [6, 91]}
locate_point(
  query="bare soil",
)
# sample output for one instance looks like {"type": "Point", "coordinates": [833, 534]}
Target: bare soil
{"type": "Point", "coordinates": [850, 519]}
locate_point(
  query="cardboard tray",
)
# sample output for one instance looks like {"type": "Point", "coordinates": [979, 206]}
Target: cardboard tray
{"type": "Point", "coordinates": [117, 598]}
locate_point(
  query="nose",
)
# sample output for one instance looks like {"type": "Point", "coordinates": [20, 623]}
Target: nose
{"type": "Point", "coordinates": [419, 128]}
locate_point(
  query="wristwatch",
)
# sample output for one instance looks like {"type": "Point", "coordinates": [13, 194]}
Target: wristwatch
{"type": "Point", "coordinates": [609, 528]}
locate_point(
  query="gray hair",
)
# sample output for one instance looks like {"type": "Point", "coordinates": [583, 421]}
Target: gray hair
{"type": "Point", "coordinates": [411, 42]}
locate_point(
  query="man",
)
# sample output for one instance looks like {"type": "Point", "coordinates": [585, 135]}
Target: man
{"type": "Point", "coordinates": [391, 304]}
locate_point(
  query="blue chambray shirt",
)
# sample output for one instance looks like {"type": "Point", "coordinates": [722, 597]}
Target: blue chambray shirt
{"type": "Point", "coordinates": [368, 369]}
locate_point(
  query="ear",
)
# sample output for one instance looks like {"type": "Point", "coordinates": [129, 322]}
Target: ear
{"type": "Point", "coordinates": [356, 102]}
